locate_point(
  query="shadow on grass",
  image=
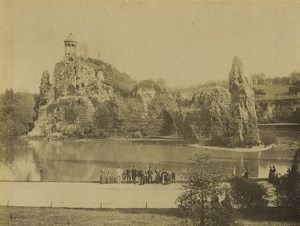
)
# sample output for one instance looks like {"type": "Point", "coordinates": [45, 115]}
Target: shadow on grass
{"type": "Point", "coordinates": [266, 214]}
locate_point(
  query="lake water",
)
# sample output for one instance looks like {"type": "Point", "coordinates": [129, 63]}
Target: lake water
{"type": "Point", "coordinates": [83, 160]}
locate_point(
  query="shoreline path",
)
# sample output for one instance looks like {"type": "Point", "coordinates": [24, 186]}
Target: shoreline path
{"type": "Point", "coordinates": [88, 195]}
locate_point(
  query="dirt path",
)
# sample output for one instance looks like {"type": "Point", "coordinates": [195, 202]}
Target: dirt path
{"type": "Point", "coordinates": [88, 195]}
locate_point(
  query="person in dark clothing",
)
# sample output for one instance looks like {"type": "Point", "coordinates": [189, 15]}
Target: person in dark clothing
{"type": "Point", "coordinates": [143, 176]}
{"type": "Point", "coordinates": [149, 175]}
{"type": "Point", "coordinates": [271, 175]}
{"type": "Point", "coordinates": [163, 176]}
{"type": "Point", "coordinates": [274, 170]}
{"type": "Point", "coordinates": [173, 176]}
{"type": "Point", "coordinates": [128, 175]}
{"type": "Point", "coordinates": [138, 174]}
{"type": "Point", "coordinates": [134, 174]}
{"type": "Point", "coordinates": [157, 175]}
{"type": "Point", "coordinates": [245, 174]}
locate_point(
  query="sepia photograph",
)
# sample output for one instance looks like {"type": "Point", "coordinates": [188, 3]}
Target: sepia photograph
{"type": "Point", "coordinates": [149, 112]}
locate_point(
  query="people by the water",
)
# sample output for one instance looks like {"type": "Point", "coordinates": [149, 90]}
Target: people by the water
{"type": "Point", "coordinates": [119, 175]}
{"type": "Point", "coordinates": [137, 175]}
{"type": "Point", "coordinates": [273, 175]}
{"type": "Point", "coordinates": [245, 174]}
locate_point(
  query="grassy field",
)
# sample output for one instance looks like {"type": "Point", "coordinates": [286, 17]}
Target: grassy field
{"type": "Point", "coordinates": [273, 90]}
{"type": "Point", "coordinates": [61, 216]}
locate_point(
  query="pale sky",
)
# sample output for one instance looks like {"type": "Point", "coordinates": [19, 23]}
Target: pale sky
{"type": "Point", "coordinates": [183, 42]}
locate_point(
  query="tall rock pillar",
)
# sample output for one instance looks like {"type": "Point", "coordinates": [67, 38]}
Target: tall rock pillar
{"type": "Point", "coordinates": [242, 106]}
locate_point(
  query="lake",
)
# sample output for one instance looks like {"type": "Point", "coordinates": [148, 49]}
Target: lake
{"type": "Point", "coordinates": [83, 160]}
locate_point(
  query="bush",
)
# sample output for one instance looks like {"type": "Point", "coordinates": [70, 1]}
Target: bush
{"type": "Point", "coordinates": [247, 194]}
{"type": "Point", "coordinates": [267, 137]}
{"type": "Point", "coordinates": [288, 189]}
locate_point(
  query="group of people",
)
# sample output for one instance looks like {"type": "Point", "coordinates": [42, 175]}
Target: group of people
{"type": "Point", "coordinates": [136, 175]}
{"type": "Point", "coordinates": [141, 175]}
{"type": "Point", "coordinates": [273, 175]}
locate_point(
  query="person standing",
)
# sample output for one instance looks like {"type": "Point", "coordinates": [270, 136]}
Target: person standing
{"type": "Point", "coordinates": [102, 178]}
{"type": "Point", "coordinates": [271, 175]}
{"type": "Point", "coordinates": [143, 176]}
{"type": "Point", "coordinates": [138, 174]}
{"type": "Point", "coordinates": [149, 175]}
{"type": "Point", "coordinates": [163, 176]}
{"type": "Point", "coordinates": [134, 174]}
{"type": "Point", "coordinates": [173, 176]}
{"type": "Point", "coordinates": [128, 175]}
{"type": "Point", "coordinates": [119, 175]}
{"type": "Point", "coordinates": [157, 175]}
{"type": "Point", "coordinates": [245, 174]}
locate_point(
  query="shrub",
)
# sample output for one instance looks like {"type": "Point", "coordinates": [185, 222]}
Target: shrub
{"type": "Point", "coordinates": [247, 194]}
{"type": "Point", "coordinates": [267, 137]}
{"type": "Point", "coordinates": [288, 189]}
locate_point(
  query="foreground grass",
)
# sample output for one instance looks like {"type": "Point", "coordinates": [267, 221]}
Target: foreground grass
{"type": "Point", "coordinates": [61, 216]}
{"type": "Point", "coordinates": [133, 217]}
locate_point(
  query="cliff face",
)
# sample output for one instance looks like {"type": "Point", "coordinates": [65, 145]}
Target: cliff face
{"type": "Point", "coordinates": [68, 105]}
{"type": "Point", "coordinates": [242, 106]}
{"type": "Point", "coordinates": [160, 110]}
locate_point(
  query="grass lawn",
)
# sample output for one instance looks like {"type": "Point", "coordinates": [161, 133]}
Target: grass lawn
{"type": "Point", "coordinates": [273, 90]}
{"type": "Point", "coordinates": [62, 216]}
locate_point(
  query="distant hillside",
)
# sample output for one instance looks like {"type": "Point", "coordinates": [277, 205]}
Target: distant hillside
{"type": "Point", "coordinates": [121, 82]}
{"type": "Point", "coordinates": [272, 90]}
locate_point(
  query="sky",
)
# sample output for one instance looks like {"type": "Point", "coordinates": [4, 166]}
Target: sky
{"type": "Point", "coordinates": [183, 42]}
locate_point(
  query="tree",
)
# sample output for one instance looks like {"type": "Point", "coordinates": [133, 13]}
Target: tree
{"type": "Point", "coordinates": [200, 198]}
{"type": "Point", "coordinates": [288, 189]}
{"type": "Point", "coordinates": [103, 120]}
{"type": "Point", "coordinates": [16, 119]}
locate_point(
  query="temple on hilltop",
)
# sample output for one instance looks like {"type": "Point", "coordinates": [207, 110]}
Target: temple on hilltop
{"type": "Point", "coordinates": [70, 46]}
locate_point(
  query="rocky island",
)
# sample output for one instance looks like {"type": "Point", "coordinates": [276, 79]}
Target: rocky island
{"type": "Point", "coordinates": [90, 98]}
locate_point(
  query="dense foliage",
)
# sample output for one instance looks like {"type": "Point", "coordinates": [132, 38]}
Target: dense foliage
{"type": "Point", "coordinates": [121, 82]}
{"type": "Point", "coordinates": [267, 137]}
{"type": "Point", "coordinates": [120, 117]}
{"type": "Point", "coordinates": [247, 194]}
{"type": "Point", "coordinates": [288, 189]}
{"type": "Point", "coordinates": [200, 198]}
{"type": "Point", "coordinates": [17, 116]}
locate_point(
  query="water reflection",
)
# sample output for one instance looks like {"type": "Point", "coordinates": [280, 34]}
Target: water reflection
{"type": "Point", "coordinates": [82, 160]}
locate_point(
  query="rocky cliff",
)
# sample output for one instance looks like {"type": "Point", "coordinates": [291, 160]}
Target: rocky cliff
{"type": "Point", "coordinates": [242, 106]}
{"type": "Point", "coordinates": [68, 104]}
{"type": "Point", "coordinates": [219, 116]}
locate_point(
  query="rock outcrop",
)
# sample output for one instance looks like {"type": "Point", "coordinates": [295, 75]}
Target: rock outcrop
{"type": "Point", "coordinates": [218, 116]}
{"type": "Point", "coordinates": [160, 110]}
{"type": "Point", "coordinates": [242, 106]}
{"type": "Point", "coordinates": [68, 104]}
